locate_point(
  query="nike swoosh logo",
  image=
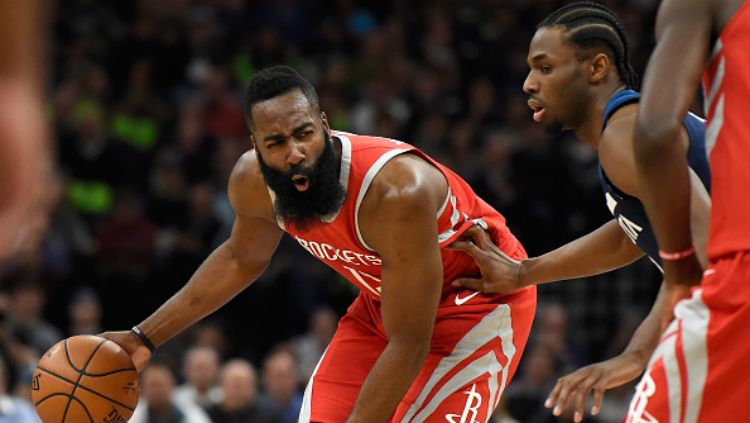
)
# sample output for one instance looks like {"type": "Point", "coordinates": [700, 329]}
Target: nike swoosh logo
{"type": "Point", "coordinates": [460, 301]}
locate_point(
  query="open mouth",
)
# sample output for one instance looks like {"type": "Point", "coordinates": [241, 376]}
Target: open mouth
{"type": "Point", "coordinates": [302, 183]}
{"type": "Point", "coordinates": [537, 108]}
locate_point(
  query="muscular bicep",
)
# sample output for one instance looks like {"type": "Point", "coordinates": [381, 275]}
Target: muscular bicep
{"type": "Point", "coordinates": [255, 234]}
{"type": "Point", "coordinates": [406, 239]}
{"type": "Point", "coordinates": [616, 153]}
{"type": "Point", "coordinates": [253, 241]}
{"type": "Point", "coordinates": [398, 219]}
{"type": "Point", "coordinates": [616, 150]}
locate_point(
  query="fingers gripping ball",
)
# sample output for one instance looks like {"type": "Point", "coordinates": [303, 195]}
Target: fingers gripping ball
{"type": "Point", "coordinates": [85, 379]}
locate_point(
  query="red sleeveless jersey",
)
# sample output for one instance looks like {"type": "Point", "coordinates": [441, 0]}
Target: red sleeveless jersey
{"type": "Point", "coordinates": [337, 240]}
{"type": "Point", "coordinates": [727, 87]}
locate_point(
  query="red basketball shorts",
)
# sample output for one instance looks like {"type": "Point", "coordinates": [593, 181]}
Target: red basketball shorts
{"type": "Point", "coordinates": [476, 345]}
{"type": "Point", "coordinates": [701, 370]}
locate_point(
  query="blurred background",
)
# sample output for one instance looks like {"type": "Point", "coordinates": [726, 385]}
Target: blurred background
{"type": "Point", "coordinates": [144, 99]}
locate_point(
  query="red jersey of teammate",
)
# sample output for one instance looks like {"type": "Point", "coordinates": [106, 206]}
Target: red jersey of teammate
{"type": "Point", "coordinates": [339, 242]}
{"type": "Point", "coordinates": [698, 372]}
{"type": "Point", "coordinates": [727, 87]}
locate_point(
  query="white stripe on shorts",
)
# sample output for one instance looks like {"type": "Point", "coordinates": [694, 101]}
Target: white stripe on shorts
{"type": "Point", "coordinates": [495, 324]}
{"type": "Point", "coordinates": [692, 318]}
{"type": "Point", "coordinates": [695, 317]}
{"type": "Point", "coordinates": [306, 409]}
{"type": "Point", "coordinates": [487, 363]}
{"type": "Point", "coordinates": [646, 388]}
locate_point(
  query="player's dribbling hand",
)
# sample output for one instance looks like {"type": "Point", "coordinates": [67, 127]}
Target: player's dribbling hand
{"type": "Point", "coordinates": [128, 341]}
{"type": "Point", "coordinates": [500, 274]}
{"type": "Point", "coordinates": [574, 389]}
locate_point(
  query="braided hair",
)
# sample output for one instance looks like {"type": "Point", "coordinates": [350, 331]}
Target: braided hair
{"type": "Point", "coordinates": [591, 25]}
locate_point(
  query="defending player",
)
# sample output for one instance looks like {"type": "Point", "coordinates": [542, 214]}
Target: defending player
{"type": "Point", "coordinates": [700, 371]}
{"type": "Point", "coordinates": [378, 211]}
{"type": "Point", "coordinates": [581, 79]}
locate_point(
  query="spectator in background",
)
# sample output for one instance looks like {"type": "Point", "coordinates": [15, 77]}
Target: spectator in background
{"type": "Point", "coordinates": [127, 238]}
{"type": "Point", "coordinates": [501, 414]}
{"type": "Point", "coordinates": [85, 313]}
{"type": "Point", "coordinates": [25, 319]}
{"type": "Point", "coordinates": [309, 347]}
{"type": "Point", "coordinates": [281, 397]}
{"type": "Point", "coordinates": [17, 360]}
{"type": "Point", "coordinates": [526, 395]}
{"type": "Point", "coordinates": [157, 405]}
{"type": "Point", "coordinates": [224, 117]}
{"type": "Point", "coordinates": [14, 409]}
{"type": "Point", "coordinates": [240, 386]}
{"type": "Point", "coordinates": [194, 148]}
{"type": "Point", "coordinates": [201, 371]}
{"type": "Point", "coordinates": [168, 199]}
{"type": "Point", "coordinates": [211, 333]}
{"type": "Point", "coordinates": [202, 225]}
{"type": "Point", "coordinates": [551, 330]}
{"type": "Point", "coordinates": [95, 163]}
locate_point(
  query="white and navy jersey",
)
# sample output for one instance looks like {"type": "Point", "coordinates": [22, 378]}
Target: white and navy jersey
{"type": "Point", "coordinates": [628, 210]}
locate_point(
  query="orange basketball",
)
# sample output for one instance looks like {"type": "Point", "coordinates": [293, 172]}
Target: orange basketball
{"type": "Point", "coordinates": [85, 379]}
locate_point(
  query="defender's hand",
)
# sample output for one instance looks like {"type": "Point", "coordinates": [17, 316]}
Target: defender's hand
{"type": "Point", "coordinates": [500, 274]}
{"type": "Point", "coordinates": [596, 378]}
{"type": "Point", "coordinates": [128, 341]}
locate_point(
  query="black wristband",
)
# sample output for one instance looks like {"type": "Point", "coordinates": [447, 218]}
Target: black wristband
{"type": "Point", "coordinates": [144, 339]}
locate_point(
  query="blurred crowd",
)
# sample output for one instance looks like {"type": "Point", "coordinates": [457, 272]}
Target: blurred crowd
{"type": "Point", "coordinates": [145, 103]}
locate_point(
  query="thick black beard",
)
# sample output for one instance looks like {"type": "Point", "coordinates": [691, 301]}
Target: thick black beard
{"type": "Point", "coordinates": [324, 196]}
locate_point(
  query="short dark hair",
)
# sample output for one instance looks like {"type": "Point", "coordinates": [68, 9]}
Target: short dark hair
{"type": "Point", "coordinates": [275, 81]}
{"type": "Point", "coordinates": [592, 25]}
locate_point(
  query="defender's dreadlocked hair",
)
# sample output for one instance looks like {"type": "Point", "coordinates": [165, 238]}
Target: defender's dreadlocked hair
{"type": "Point", "coordinates": [590, 25]}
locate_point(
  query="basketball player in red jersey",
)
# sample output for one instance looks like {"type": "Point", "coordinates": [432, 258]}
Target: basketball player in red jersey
{"type": "Point", "coordinates": [411, 347]}
{"type": "Point", "coordinates": [699, 372]}
{"type": "Point", "coordinates": [24, 153]}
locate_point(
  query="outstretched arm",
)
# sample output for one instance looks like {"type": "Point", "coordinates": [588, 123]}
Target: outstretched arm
{"type": "Point", "coordinates": [573, 389]}
{"type": "Point", "coordinates": [411, 283]}
{"type": "Point", "coordinates": [605, 249]}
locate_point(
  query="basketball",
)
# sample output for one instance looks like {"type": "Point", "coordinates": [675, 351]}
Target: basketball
{"type": "Point", "coordinates": [85, 379]}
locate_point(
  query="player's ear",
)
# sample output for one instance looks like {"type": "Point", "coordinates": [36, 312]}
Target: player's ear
{"type": "Point", "coordinates": [324, 119]}
{"type": "Point", "coordinates": [598, 67]}
{"type": "Point", "coordinates": [252, 140]}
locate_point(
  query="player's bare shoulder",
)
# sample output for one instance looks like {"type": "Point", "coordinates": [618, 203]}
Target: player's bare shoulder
{"type": "Point", "coordinates": [616, 149]}
{"type": "Point", "coordinates": [616, 140]}
{"type": "Point", "coordinates": [406, 178]}
{"type": "Point", "coordinates": [247, 190]}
